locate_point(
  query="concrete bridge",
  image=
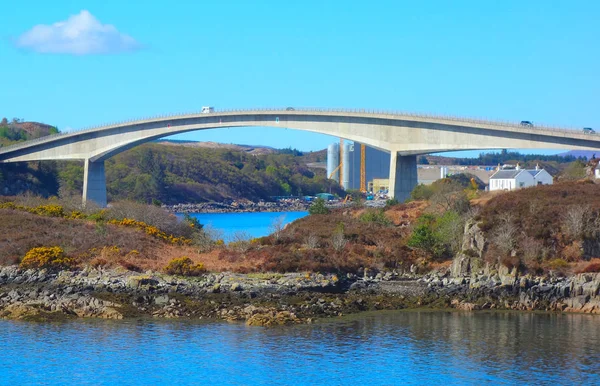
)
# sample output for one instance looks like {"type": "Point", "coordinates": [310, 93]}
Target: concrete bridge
{"type": "Point", "coordinates": [404, 135]}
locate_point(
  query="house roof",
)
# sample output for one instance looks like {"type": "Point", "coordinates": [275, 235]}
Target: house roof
{"type": "Point", "coordinates": [506, 174]}
{"type": "Point", "coordinates": [512, 173]}
{"type": "Point", "coordinates": [534, 172]}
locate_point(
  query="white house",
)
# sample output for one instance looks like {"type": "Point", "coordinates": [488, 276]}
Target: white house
{"type": "Point", "coordinates": [597, 171]}
{"type": "Point", "coordinates": [511, 179]}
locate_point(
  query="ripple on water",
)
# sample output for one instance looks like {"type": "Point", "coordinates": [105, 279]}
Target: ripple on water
{"type": "Point", "coordinates": [380, 348]}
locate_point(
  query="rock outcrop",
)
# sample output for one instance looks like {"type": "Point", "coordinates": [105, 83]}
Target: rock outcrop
{"type": "Point", "coordinates": [470, 259]}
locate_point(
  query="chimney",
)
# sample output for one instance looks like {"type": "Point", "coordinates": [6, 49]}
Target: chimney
{"type": "Point", "coordinates": [518, 167]}
{"type": "Point", "coordinates": [499, 167]}
{"type": "Point", "coordinates": [537, 166]}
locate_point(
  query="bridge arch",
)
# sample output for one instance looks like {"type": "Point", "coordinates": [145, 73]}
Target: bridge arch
{"type": "Point", "coordinates": [403, 135]}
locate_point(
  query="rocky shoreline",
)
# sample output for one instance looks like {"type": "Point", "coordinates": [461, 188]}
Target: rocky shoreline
{"type": "Point", "coordinates": [277, 299]}
{"type": "Point", "coordinates": [291, 205]}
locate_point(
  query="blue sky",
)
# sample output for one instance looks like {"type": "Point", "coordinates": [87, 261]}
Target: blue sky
{"type": "Point", "coordinates": [509, 60]}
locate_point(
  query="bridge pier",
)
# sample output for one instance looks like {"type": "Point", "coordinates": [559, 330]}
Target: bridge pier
{"type": "Point", "coordinates": [94, 183]}
{"type": "Point", "coordinates": [403, 175]}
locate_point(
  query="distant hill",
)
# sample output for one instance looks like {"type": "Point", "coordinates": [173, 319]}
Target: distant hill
{"type": "Point", "coordinates": [589, 154]}
{"type": "Point", "coordinates": [501, 157]}
{"type": "Point", "coordinates": [255, 150]}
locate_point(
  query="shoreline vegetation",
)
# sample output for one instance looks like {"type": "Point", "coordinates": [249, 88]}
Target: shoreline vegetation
{"type": "Point", "coordinates": [451, 247]}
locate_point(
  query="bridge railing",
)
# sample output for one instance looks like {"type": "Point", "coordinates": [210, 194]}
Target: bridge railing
{"type": "Point", "coordinates": [389, 113]}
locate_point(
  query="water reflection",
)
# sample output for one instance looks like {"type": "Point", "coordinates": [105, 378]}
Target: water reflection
{"type": "Point", "coordinates": [382, 348]}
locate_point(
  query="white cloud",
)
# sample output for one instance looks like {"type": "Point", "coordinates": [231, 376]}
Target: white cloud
{"type": "Point", "coordinates": [80, 34]}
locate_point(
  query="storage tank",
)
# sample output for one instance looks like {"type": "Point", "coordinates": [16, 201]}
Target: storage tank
{"type": "Point", "coordinates": [443, 171]}
{"type": "Point", "coordinates": [346, 165]}
{"type": "Point", "coordinates": [333, 161]}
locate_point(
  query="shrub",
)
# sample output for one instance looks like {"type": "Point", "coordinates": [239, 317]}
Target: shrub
{"type": "Point", "coordinates": [151, 230]}
{"type": "Point", "coordinates": [421, 192]}
{"type": "Point", "coordinates": [184, 266]}
{"type": "Point", "coordinates": [557, 264]}
{"type": "Point", "coordinates": [192, 221]}
{"type": "Point", "coordinates": [76, 215]}
{"type": "Point", "coordinates": [311, 241]}
{"type": "Point", "coordinates": [338, 241]}
{"type": "Point", "coordinates": [99, 216]}
{"type": "Point", "coordinates": [130, 266]}
{"type": "Point", "coordinates": [153, 216]}
{"type": "Point", "coordinates": [49, 210]}
{"type": "Point", "coordinates": [510, 262]}
{"type": "Point", "coordinates": [423, 236]}
{"type": "Point", "coordinates": [592, 267]}
{"type": "Point", "coordinates": [47, 257]}
{"type": "Point", "coordinates": [391, 202]}
{"type": "Point", "coordinates": [375, 217]}
{"type": "Point", "coordinates": [241, 241]}
{"type": "Point", "coordinates": [318, 207]}
{"type": "Point", "coordinates": [439, 236]}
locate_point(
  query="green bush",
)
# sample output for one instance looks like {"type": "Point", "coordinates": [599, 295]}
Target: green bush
{"type": "Point", "coordinates": [424, 237]}
{"type": "Point", "coordinates": [438, 235]}
{"type": "Point", "coordinates": [318, 207]}
{"type": "Point", "coordinates": [391, 202]}
{"type": "Point", "coordinates": [421, 192]}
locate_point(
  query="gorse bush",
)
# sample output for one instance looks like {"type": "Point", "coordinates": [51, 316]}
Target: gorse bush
{"type": "Point", "coordinates": [50, 210]}
{"type": "Point", "coordinates": [184, 266]}
{"type": "Point", "coordinates": [151, 230]}
{"type": "Point", "coordinates": [47, 257]}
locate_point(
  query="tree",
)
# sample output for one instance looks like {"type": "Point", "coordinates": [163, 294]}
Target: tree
{"type": "Point", "coordinates": [277, 226]}
{"type": "Point", "coordinates": [504, 236]}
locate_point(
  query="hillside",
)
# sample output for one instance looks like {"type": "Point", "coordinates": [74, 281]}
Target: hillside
{"type": "Point", "coordinates": [17, 130]}
{"type": "Point", "coordinates": [254, 150]}
{"type": "Point", "coordinates": [183, 174]}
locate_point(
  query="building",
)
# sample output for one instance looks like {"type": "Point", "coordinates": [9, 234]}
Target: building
{"type": "Point", "coordinates": [377, 165]}
{"type": "Point", "coordinates": [325, 196]}
{"type": "Point", "coordinates": [378, 185]}
{"type": "Point", "coordinates": [597, 171]}
{"type": "Point", "coordinates": [517, 178]}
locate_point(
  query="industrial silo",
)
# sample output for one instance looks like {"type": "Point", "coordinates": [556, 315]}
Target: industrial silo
{"type": "Point", "coordinates": [333, 161]}
{"type": "Point", "coordinates": [346, 165]}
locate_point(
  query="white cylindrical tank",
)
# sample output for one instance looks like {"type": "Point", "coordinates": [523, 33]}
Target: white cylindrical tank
{"type": "Point", "coordinates": [333, 161]}
{"type": "Point", "coordinates": [346, 165]}
{"type": "Point", "coordinates": [443, 171]}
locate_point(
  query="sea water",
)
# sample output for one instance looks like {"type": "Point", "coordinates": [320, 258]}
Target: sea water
{"type": "Point", "coordinates": [253, 224]}
{"type": "Point", "coordinates": [383, 348]}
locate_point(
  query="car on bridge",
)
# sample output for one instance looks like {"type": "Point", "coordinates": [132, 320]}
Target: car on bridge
{"type": "Point", "coordinates": [527, 123]}
{"type": "Point", "coordinates": [290, 109]}
{"type": "Point", "coordinates": [207, 109]}
{"type": "Point", "coordinates": [589, 130]}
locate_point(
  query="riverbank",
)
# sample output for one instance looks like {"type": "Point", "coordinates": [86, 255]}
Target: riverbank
{"type": "Point", "coordinates": [291, 205]}
{"type": "Point", "coordinates": [277, 299]}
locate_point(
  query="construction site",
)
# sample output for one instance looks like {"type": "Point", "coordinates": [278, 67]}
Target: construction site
{"type": "Point", "coordinates": [356, 166]}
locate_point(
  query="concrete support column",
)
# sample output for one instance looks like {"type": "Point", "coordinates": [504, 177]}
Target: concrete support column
{"type": "Point", "coordinates": [403, 176]}
{"type": "Point", "coordinates": [94, 183]}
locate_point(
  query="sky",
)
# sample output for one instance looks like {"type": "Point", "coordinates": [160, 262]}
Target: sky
{"type": "Point", "coordinates": [76, 64]}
